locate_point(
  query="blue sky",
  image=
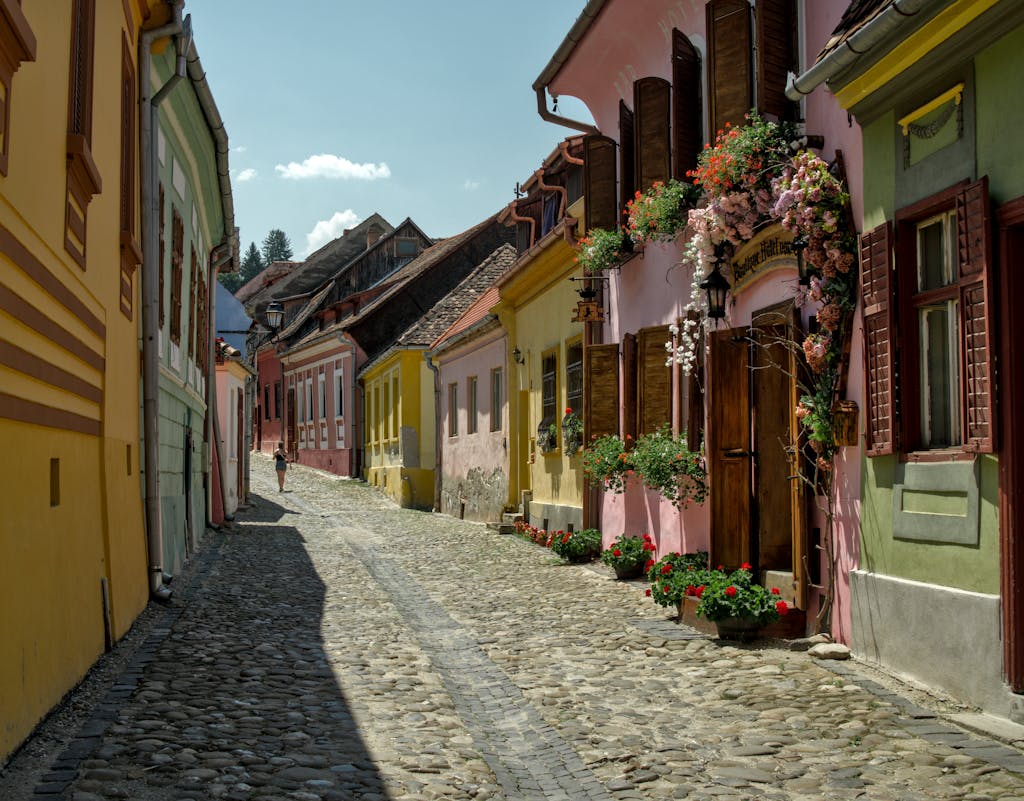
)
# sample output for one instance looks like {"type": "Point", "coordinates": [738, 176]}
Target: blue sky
{"type": "Point", "coordinates": [336, 109]}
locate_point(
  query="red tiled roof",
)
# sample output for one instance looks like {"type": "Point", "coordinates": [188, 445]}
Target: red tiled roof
{"type": "Point", "coordinates": [474, 314]}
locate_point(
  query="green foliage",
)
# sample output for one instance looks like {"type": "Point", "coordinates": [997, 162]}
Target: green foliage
{"type": "Point", "coordinates": [673, 574]}
{"type": "Point", "coordinates": [252, 264]}
{"type": "Point", "coordinates": [232, 281]}
{"type": "Point", "coordinates": [736, 595]}
{"type": "Point", "coordinates": [578, 546]}
{"type": "Point", "coordinates": [276, 247]}
{"type": "Point", "coordinates": [662, 212]}
{"type": "Point", "coordinates": [600, 250]}
{"type": "Point", "coordinates": [667, 466]}
{"type": "Point", "coordinates": [572, 432]}
{"type": "Point", "coordinates": [627, 551]}
{"type": "Point", "coordinates": [605, 461]}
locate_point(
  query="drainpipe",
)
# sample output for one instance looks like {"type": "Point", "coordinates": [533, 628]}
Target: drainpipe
{"type": "Point", "coordinates": [151, 266]}
{"type": "Point", "coordinates": [219, 256]}
{"type": "Point", "coordinates": [858, 44]}
{"type": "Point", "coordinates": [560, 189]}
{"type": "Point", "coordinates": [575, 35]}
{"type": "Point", "coordinates": [563, 148]}
{"type": "Point", "coordinates": [437, 429]}
{"type": "Point", "coordinates": [533, 223]}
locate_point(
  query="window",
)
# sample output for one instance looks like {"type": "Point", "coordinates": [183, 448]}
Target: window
{"type": "Point", "coordinates": [193, 332]}
{"type": "Point", "coordinates": [177, 259]}
{"type": "Point", "coordinates": [309, 399]}
{"type": "Point", "coordinates": [574, 378]}
{"type": "Point", "coordinates": [453, 410]}
{"type": "Point", "coordinates": [83, 178]}
{"type": "Point", "coordinates": [601, 376]}
{"type": "Point", "coordinates": [406, 247]}
{"type": "Point", "coordinates": [396, 400]}
{"type": "Point", "coordinates": [687, 123]}
{"type": "Point", "coordinates": [339, 397]}
{"type": "Point", "coordinates": [322, 411]}
{"type": "Point", "coordinates": [496, 399]}
{"type": "Point", "coordinates": [300, 407]}
{"type": "Point", "coordinates": [627, 155]}
{"type": "Point", "coordinates": [388, 409]}
{"type": "Point", "coordinates": [277, 400]}
{"type": "Point", "coordinates": [549, 389]}
{"type": "Point", "coordinates": [17, 44]}
{"type": "Point", "coordinates": [930, 324]}
{"type": "Point", "coordinates": [131, 254]}
{"type": "Point", "coordinates": [266, 401]}
{"type": "Point", "coordinates": [471, 424]}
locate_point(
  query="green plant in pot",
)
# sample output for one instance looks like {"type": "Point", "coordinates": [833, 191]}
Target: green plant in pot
{"type": "Point", "coordinates": [606, 461]}
{"type": "Point", "coordinates": [627, 556]}
{"type": "Point", "coordinates": [572, 432]}
{"type": "Point", "coordinates": [578, 546]}
{"type": "Point", "coordinates": [601, 250]}
{"type": "Point", "coordinates": [738, 606]}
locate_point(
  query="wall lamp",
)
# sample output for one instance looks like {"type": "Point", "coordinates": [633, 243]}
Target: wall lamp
{"type": "Point", "coordinates": [517, 355]}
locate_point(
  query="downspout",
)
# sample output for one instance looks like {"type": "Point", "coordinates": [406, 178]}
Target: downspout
{"type": "Point", "coordinates": [220, 255]}
{"type": "Point", "coordinates": [563, 148]}
{"type": "Point", "coordinates": [151, 266]}
{"type": "Point", "coordinates": [854, 47]}
{"type": "Point", "coordinates": [575, 35]}
{"type": "Point", "coordinates": [533, 223]}
{"type": "Point", "coordinates": [560, 189]}
{"type": "Point", "coordinates": [427, 355]}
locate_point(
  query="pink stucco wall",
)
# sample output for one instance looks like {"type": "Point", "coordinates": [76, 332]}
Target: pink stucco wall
{"type": "Point", "coordinates": [475, 466]}
{"type": "Point", "coordinates": [631, 40]}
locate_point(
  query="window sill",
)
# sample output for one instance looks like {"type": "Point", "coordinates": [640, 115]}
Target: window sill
{"type": "Point", "coordinates": [941, 455]}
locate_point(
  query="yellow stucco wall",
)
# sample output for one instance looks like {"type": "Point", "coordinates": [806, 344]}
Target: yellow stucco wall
{"type": "Point", "coordinates": [70, 385]}
{"type": "Point", "coordinates": [537, 307]}
{"type": "Point", "coordinates": [408, 481]}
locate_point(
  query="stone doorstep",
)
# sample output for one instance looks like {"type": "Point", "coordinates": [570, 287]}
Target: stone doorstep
{"type": "Point", "coordinates": [997, 728]}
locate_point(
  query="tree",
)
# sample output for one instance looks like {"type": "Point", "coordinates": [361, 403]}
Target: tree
{"type": "Point", "coordinates": [276, 247]}
{"type": "Point", "coordinates": [252, 265]}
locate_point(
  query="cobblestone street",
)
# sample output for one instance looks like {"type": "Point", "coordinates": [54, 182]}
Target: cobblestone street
{"type": "Point", "coordinates": [334, 646]}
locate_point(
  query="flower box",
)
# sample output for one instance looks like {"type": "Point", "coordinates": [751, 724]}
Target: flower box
{"type": "Point", "coordinates": [845, 414]}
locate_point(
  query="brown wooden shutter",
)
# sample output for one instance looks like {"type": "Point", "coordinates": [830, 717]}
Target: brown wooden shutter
{"type": "Point", "coordinates": [627, 156]}
{"type": "Point", "coordinates": [974, 257]}
{"type": "Point", "coordinates": [629, 398]}
{"type": "Point", "coordinates": [695, 395]}
{"type": "Point", "coordinates": [879, 339]}
{"type": "Point", "coordinates": [160, 256]}
{"type": "Point", "coordinates": [776, 56]}
{"type": "Point", "coordinates": [652, 101]}
{"type": "Point", "coordinates": [601, 390]}
{"type": "Point", "coordinates": [730, 71]}
{"type": "Point", "coordinates": [599, 182]}
{"type": "Point", "coordinates": [654, 379]}
{"type": "Point", "coordinates": [687, 131]}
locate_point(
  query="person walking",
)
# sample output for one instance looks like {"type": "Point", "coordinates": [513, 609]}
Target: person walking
{"type": "Point", "coordinates": [281, 465]}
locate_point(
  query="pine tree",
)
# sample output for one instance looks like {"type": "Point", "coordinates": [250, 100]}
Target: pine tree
{"type": "Point", "coordinates": [276, 247]}
{"type": "Point", "coordinates": [252, 264]}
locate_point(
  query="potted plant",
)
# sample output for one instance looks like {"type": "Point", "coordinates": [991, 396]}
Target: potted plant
{"type": "Point", "coordinates": [738, 607]}
{"type": "Point", "coordinates": [661, 213]}
{"type": "Point", "coordinates": [547, 437]}
{"type": "Point", "coordinates": [627, 556]}
{"type": "Point", "coordinates": [578, 546]}
{"type": "Point", "coordinates": [605, 461]}
{"type": "Point", "coordinates": [572, 432]}
{"type": "Point", "coordinates": [602, 250]}
{"type": "Point", "coordinates": [668, 466]}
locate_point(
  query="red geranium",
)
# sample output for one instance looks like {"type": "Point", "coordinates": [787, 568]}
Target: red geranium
{"type": "Point", "coordinates": [730, 591]}
{"type": "Point", "coordinates": [616, 552]}
{"type": "Point", "coordinates": [665, 569]}
{"type": "Point", "coordinates": [746, 566]}
{"type": "Point", "coordinates": [647, 592]}
{"type": "Point", "coordinates": [782, 607]}
{"type": "Point", "coordinates": [649, 565]}
{"type": "Point", "coordinates": [775, 591]}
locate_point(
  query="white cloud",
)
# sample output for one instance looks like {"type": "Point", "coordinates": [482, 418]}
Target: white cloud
{"type": "Point", "coordinates": [239, 149]}
{"type": "Point", "coordinates": [246, 175]}
{"type": "Point", "coordinates": [326, 230]}
{"type": "Point", "coordinates": [327, 166]}
{"type": "Point", "coordinates": [471, 185]}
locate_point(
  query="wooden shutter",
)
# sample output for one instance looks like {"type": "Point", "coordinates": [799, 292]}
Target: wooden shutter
{"type": "Point", "coordinates": [974, 258]}
{"type": "Point", "coordinates": [687, 131]}
{"type": "Point", "coordinates": [627, 155]}
{"type": "Point", "coordinates": [599, 182]}
{"type": "Point", "coordinates": [652, 101]}
{"type": "Point", "coordinates": [879, 339]}
{"type": "Point", "coordinates": [730, 71]}
{"type": "Point", "coordinates": [601, 390]}
{"type": "Point", "coordinates": [776, 56]}
{"type": "Point", "coordinates": [695, 394]}
{"type": "Point", "coordinates": [160, 256]}
{"type": "Point", "coordinates": [654, 379]}
{"type": "Point", "coordinates": [629, 386]}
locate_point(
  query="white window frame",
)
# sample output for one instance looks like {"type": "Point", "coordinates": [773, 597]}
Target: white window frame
{"type": "Point", "coordinates": [339, 393]}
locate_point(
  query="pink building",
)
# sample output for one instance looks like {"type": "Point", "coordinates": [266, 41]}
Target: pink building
{"type": "Point", "coordinates": [660, 79]}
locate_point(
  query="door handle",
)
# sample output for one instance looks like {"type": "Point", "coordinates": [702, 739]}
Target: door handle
{"type": "Point", "coordinates": [736, 454]}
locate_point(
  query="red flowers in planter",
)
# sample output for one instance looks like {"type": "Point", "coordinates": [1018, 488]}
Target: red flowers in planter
{"type": "Point", "coordinates": [775, 591]}
{"type": "Point", "coordinates": [616, 552]}
{"type": "Point", "coordinates": [782, 607]}
{"type": "Point", "coordinates": [730, 591]}
{"type": "Point", "coordinates": [665, 569]}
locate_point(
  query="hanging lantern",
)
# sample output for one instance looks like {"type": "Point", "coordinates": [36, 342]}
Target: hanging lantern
{"type": "Point", "coordinates": [274, 315]}
{"type": "Point", "coordinates": [803, 269]}
{"type": "Point", "coordinates": [716, 286]}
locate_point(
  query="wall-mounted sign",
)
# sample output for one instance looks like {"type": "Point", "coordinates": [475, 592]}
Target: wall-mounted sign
{"type": "Point", "coordinates": [588, 311]}
{"type": "Point", "coordinates": [770, 249]}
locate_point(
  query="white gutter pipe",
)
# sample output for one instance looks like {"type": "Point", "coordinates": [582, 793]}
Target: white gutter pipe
{"type": "Point", "coordinates": [151, 266]}
{"type": "Point", "coordinates": [855, 46]}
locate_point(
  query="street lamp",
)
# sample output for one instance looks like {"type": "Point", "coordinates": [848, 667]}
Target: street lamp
{"type": "Point", "coordinates": [803, 269]}
{"type": "Point", "coordinates": [274, 315]}
{"type": "Point", "coordinates": [715, 285]}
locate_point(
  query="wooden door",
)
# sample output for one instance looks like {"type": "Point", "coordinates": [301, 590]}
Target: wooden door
{"type": "Point", "coordinates": [728, 449]}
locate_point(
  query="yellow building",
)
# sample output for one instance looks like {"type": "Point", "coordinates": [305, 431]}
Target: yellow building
{"type": "Point", "coordinates": [72, 546]}
{"type": "Point", "coordinates": [537, 309]}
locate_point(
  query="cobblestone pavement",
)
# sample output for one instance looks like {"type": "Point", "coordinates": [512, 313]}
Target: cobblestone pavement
{"type": "Point", "coordinates": [336, 647]}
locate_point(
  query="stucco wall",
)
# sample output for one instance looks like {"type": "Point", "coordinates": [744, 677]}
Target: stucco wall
{"type": "Point", "coordinates": [997, 74]}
